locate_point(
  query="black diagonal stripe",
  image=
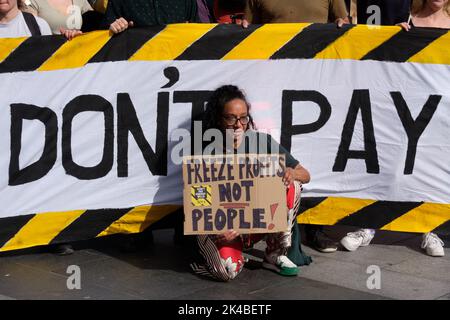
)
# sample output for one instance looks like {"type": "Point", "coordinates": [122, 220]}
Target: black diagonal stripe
{"type": "Point", "coordinates": [89, 225]}
{"type": "Point", "coordinates": [309, 203]}
{"type": "Point", "coordinates": [217, 43]}
{"type": "Point", "coordinates": [32, 53]}
{"type": "Point", "coordinates": [443, 229]}
{"type": "Point", "coordinates": [378, 214]}
{"type": "Point", "coordinates": [310, 41]}
{"type": "Point", "coordinates": [404, 45]}
{"type": "Point", "coordinates": [11, 225]}
{"type": "Point", "coordinates": [122, 46]}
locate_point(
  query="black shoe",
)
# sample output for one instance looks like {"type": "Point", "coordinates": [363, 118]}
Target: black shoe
{"type": "Point", "coordinates": [63, 249]}
{"type": "Point", "coordinates": [323, 243]}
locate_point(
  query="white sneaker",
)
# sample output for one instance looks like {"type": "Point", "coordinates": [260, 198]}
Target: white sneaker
{"type": "Point", "coordinates": [433, 245]}
{"type": "Point", "coordinates": [360, 238]}
{"type": "Point", "coordinates": [280, 264]}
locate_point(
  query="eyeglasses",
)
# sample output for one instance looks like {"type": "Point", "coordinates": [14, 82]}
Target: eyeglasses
{"type": "Point", "coordinates": [232, 120]}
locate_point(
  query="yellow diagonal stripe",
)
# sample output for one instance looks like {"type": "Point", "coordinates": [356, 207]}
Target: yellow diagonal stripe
{"type": "Point", "coordinates": [357, 42]}
{"type": "Point", "coordinates": [138, 219]}
{"type": "Point", "coordinates": [265, 41]}
{"type": "Point", "coordinates": [422, 219]}
{"type": "Point", "coordinates": [171, 42]}
{"type": "Point", "coordinates": [41, 229]}
{"type": "Point", "coordinates": [436, 52]}
{"type": "Point", "coordinates": [76, 52]}
{"type": "Point", "coordinates": [331, 210]}
{"type": "Point", "coordinates": [9, 45]}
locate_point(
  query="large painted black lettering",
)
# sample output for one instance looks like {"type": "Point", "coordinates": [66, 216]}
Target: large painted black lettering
{"type": "Point", "coordinates": [414, 128]}
{"type": "Point", "coordinates": [360, 101]}
{"type": "Point", "coordinates": [41, 167]}
{"type": "Point", "coordinates": [128, 122]}
{"type": "Point", "coordinates": [88, 103]}
{"type": "Point", "coordinates": [287, 128]}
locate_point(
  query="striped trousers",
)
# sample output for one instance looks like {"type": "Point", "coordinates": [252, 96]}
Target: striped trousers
{"type": "Point", "coordinates": [224, 262]}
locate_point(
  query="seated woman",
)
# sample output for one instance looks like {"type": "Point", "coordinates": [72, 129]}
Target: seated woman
{"type": "Point", "coordinates": [229, 111]}
{"type": "Point", "coordinates": [63, 16]}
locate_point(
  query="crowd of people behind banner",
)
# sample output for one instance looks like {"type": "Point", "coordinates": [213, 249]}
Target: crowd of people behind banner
{"type": "Point", "coordinates": [72, 18]}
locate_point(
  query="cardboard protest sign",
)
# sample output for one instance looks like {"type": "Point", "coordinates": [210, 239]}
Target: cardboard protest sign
{"type": "Point", "coordinates": [243, 192]}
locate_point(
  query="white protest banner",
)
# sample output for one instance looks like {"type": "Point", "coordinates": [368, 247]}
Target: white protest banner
{"type": "Point", "coordinates": [88, 125]}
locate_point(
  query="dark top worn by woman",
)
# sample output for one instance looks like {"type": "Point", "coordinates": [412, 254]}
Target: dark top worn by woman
{"type": "Point", "coordinates": [392, 11]}
{"type": "Point", "coordinates": [152, 12]}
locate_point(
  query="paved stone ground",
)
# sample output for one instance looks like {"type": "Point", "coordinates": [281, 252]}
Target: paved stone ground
{"type": "Point", "coordinates": [161, 272]}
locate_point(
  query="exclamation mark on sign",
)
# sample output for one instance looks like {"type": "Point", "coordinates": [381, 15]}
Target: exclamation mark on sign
{"type": "Point", "coordinates": [273, 208]}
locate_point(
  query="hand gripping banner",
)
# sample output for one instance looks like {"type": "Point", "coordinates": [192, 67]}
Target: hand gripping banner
{"type": "Point", "coordinates": [92, 129]}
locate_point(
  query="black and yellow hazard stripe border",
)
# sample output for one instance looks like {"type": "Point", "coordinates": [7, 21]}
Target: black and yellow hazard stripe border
{"type": "Point", "coordinates": [25, 231]}
{"type": "Point", "coordinates": [420, 217]}
{"type": "Point", "coordinates": [187, 42]}
{"type": "Point", "coordinates": [20, 232]}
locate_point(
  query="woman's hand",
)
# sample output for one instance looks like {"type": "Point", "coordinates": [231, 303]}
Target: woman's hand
{"type": "Point", "coordinates": [228, 236]}
{"type": "Point", "coordinates": [341, 21]}
{"type": "Point", "coordinates": [244, 23]}
{"type": "Point", "coordinates": [289, 176]}
{"type": "Point", "coordinates": [120, 25]}
{"type": "Point", "coordinates": [405, 26]}
{"type": "Point", "coordinates": [70, 33]}
{"type": "Point", "coordinates": [298, 173]}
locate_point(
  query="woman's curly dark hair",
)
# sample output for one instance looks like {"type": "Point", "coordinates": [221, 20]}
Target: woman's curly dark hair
{"type": "Point", "coordinates": [216, 104]}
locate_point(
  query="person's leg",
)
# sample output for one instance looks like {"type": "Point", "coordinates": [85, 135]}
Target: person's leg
{"type": "Point", "coordinates": [278, 244]}
{"type": "Point", "coordinates": [295, 252]}
{"type": "Point", "coordinates": [221, 262]}
{"type": "Point", "coordinates": [310, 232]}
{"type": "Point", "coordinates": [275, 257]}
{"type": "Point", "coordinates": [316, 238]}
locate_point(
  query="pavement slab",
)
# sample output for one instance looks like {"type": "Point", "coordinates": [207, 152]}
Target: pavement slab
{"type": "Point", "coordinates": [161, 271]}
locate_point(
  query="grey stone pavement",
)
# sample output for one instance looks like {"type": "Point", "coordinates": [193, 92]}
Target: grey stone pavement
{"type": "Point", "coordinates": [161, 272]}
